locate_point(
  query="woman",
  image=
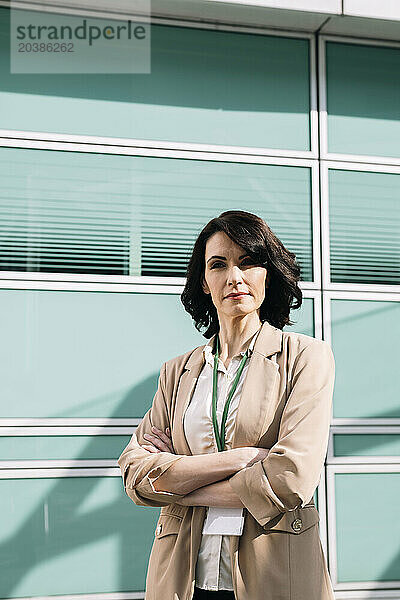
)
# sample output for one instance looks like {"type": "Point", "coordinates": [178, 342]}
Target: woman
{"type": "Point", "coordinates": [234, 444]}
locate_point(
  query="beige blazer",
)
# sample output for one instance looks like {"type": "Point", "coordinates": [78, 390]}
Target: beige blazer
{"type": "Point", "coordinates": [285, 406]}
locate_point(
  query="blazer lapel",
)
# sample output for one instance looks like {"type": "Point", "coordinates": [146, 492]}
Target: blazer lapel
{"type": "Point", "coordinates": [259, 383]}
{"type": "Point", "coordinates": [184, 394]}
{"type": "Point", "coordinates": [255, 399]}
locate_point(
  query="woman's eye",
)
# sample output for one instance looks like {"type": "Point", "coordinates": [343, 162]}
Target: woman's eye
{"type": "Point", "coordinates": [245, 261]}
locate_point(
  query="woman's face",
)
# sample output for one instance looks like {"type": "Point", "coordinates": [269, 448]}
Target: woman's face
{"type": "Point", "coordinates": [229, 269]}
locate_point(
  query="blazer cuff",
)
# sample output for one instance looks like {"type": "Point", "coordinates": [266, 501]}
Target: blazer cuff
{"type": "Point", "coordinates": [155, 473]}
{"type": "Point", "coordinates": [140, 500]}
{"type": "Point", "coordinates": [254, 490]}
{"type": "Point", "coordinates": [145, 489]}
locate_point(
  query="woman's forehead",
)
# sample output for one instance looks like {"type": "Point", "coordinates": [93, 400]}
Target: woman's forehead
{"type": "Point", "coordinates": [222, 245]}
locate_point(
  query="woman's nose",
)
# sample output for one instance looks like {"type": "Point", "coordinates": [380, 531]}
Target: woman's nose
{"type": "Point", "coordinates": [235, 275]}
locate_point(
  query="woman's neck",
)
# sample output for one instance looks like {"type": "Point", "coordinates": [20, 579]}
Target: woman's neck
{"type": "Point", "coordinates": [236, 339]}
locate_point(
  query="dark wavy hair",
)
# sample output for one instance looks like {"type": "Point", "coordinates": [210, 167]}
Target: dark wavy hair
{"type": "Point", "coordinates": [253, 234]}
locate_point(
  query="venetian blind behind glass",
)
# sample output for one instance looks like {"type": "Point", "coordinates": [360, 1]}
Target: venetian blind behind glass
{"type": "Point", "coordinates": [123, 215]}
{"type": "Point", "coordinates": [364, 219]}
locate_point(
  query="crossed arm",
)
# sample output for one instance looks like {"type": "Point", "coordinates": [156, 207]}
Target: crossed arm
{"type": "Point", "coordinates": [281, 480]}
{"type": "Point", "coordinates": [214, 494]}
{"type": "Point", "coordinates": [190, 472]}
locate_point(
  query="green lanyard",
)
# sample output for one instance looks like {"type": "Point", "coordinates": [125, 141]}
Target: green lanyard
{"type": "Point", "coordinates": [220, 437]}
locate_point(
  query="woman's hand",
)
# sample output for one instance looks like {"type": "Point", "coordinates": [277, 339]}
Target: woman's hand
{"type": "Point", "coordinates": [253, 454]}
{"type": "Point", "coordinates": [158, 441]}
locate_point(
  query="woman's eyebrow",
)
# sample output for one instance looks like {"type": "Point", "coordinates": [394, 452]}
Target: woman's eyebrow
{"type": "Point", "coordinates": [224, 257]}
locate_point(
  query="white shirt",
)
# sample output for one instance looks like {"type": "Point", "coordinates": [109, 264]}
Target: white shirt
{"type": "Point", "coordinates": [213, 567]}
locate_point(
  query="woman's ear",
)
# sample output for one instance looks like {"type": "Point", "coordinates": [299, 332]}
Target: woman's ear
{"type": "Point", "coordinates": [204, 285]}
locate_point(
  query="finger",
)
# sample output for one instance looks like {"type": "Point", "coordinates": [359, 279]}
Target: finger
{"type": "Point", "coordinates": [150, 448]}
{"type": "Point", "coordinates": [156, 442]}
{"type": "Point", "coordinates": [145, 447]}
{"type": "Point", "coordinates": [165, 440]}
{"type": "Point", "coordinates": [161, 435]}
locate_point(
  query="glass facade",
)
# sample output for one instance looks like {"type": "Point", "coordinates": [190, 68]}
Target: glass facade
{"type": "Point", "coordinates": [106, 182]}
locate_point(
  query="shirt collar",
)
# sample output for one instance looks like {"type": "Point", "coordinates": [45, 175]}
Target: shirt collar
{"type": "Point", "coordinates": [208, 349]}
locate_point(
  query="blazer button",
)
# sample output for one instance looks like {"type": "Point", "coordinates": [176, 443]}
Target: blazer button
{"type": "Point", "coordinates": [158, 530]}
{"type": "Point", "coordinates": [297, 525]}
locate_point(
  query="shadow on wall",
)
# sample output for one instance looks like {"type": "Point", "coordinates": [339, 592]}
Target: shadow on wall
{"type": "Point", "coordinates": [40, 539]}
{"type": "Point", "coordinates": [60, 524]}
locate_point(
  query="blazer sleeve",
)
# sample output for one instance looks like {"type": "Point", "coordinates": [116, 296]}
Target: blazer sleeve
{"type": "Point", "coordinates": [139, 467]}
{"type": "Point", "coordinates": [288, 476]}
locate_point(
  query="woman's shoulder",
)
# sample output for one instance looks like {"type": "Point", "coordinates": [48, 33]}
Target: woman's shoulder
{"type": "Point", "coordinates": [178, 363]}
{"type": "Point", "coordinates": [296, 343]}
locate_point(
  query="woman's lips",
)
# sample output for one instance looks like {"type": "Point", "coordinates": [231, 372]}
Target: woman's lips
{"type": "Point", "coordinates": [238, 295]}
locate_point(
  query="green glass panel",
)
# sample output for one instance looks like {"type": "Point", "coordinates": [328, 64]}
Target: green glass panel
{"type": "Point", "coordinates": [122, 215]}
{"type": "Point", "coordinates": [315, 498]}
{"type": "Point", "coordinates": [59, 447]}
{"type": "Point", "coordinates": [87, 354]}
{"type": "Point", "coordinates": [364, 444]}
{"type": "Point", "coordinates": [363, 97]}
{"type": "Point", "coordinates": [367, 526]}
{"type": "Point", "coordinates": [303, 318]}
{"type": "Point", "coordinates": [365, 343]}
{"type": "Point", "coordinates": [205, 86]}
{"type": "Point", "coordinates": [76, 535]}
{"type": "Point", "coordinates": [78, 354]}
{"type": "Point", "coordinates": [364, 226]}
